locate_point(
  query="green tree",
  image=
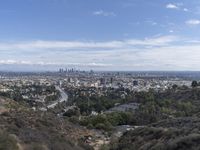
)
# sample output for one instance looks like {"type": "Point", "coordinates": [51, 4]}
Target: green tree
{"type": "Point", "coordinates": [194, 84]}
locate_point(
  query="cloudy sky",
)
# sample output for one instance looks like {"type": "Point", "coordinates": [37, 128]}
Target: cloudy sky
{"type": "Point", "coordinates": [100, 34]}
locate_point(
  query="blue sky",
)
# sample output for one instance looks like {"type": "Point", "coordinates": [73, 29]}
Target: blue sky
{"type": "Point", "coordinates": [100, 34]}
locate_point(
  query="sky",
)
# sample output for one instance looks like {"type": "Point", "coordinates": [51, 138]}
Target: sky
{"type": "Point", "coordinates": [110, 35]}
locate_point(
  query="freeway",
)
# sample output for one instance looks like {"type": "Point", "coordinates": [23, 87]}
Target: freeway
{"type": "Point", "coordinates": [63, 98]}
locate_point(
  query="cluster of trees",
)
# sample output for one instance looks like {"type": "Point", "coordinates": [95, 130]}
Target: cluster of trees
{"type": "Point", "coordinates": [15, 95]}
{"type": "Point", "coordinates": [88, 102]}
{"type": "Point", "coordinates": [31, 91]}
{"type": "Point", "coordinates": [53, 97]}
{"type": "Point", "coordinates": [195, 84]}
{"type": "Point", "coordinates": [170, 104]}
{"type": "Point", "coordinates": [154, 106]}
{"type": "Point", "coordinates": [150, 111]}
{"type": "Point", "coordinates": [107, 121]}
{"type": "Point", "coordinates": [95, 103]}
{"type": "Point", "coordinates": [72, 112]}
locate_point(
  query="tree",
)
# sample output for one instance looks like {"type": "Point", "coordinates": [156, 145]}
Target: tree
{"type": "Point", "coordinates": [194, 84]}
{"type": "Point", "coordinates": [175, 86]}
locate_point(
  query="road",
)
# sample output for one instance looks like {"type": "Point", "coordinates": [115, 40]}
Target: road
{"type": "Point", "coordinates": [63, 98]}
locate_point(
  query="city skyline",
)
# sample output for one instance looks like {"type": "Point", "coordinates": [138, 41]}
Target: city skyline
{"type": "Point", "coordinates": [132, 35]}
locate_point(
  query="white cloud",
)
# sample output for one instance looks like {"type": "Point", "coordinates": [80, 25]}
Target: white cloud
{"type": "Point", "coordinates": [70, 45]}
{"type": "Point", "coordinates": [159, 53]}
{"type": "Point", "coordinates": [42, 63]}
{"type": "Point", "coordinates": [193, 22]}
{"type": "Point", "coordinates": [177, 6]}
{"type": "Point", "coordinates": [158, 41]}
{"type": "Point", "coordinates": [23, 62]}
{"type": "Point", "coordinates": [172, 6]}
{"type": "Point", "coordinates": [194, 41]}
{"type": "Point", "coordinates": [103, 13]}
{"type": "Point", "coordinates": [153, 23]}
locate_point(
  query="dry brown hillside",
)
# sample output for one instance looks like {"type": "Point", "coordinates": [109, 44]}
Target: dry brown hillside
{"type": "Point", "coordinates": [23, 128]}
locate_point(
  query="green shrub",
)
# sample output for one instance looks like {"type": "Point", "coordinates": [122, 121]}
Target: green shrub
{"type": "Point", "coordinates": [7, 142]}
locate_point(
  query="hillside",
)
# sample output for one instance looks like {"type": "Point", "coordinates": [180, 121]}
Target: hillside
{"type": "Point", "coordinates": [168, 120]}
{"type": "Point", "coordinates": [174, 134]}
{"type": "Point", "coordinates": [22, 128]}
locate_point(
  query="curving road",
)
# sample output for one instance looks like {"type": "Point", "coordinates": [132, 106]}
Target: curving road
{"type": "Point", "coordinates": [63, 98]}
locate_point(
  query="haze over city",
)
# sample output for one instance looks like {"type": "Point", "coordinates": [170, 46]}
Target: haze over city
{"type": "Point", "coordinates": [100, 35]}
